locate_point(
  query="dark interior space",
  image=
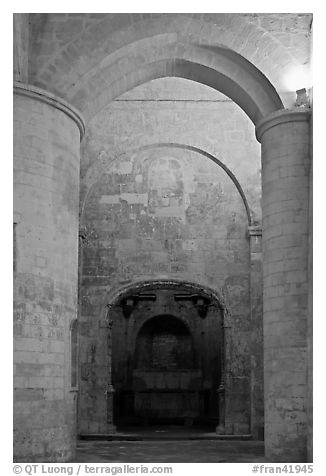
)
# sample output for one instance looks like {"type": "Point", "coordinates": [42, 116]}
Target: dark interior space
{"type": "Point", "coordinates": [167, 380]}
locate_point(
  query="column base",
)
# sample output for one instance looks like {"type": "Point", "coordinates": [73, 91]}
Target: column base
{"type": "Point", "coordinates": [220, 430]}
{"type": "Point", "coordinates": [111, 429]}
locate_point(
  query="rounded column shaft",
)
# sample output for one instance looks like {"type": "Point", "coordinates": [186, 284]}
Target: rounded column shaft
{"type": "Point", "coordinates": [285, 197]}
{"type": "Point", "coordinates": [46, 196]}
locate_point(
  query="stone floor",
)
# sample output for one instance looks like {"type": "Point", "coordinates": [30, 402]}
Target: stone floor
{"type": "Point", "coordinates": [164, 445]}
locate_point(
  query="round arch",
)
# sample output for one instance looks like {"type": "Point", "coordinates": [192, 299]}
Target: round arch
{"type": "Point", "coordinates": [159, 323]}
{"type": "Point", "coordinates": [217, 67]}
{"type": "Point", "coordinates": [96, 171]}
{"type": "Point", "coordinates": [182, 324]}
{"type": "Point", "coordinates": [80, 63]}
{"type": "Point", "coordinates": [115, 296]}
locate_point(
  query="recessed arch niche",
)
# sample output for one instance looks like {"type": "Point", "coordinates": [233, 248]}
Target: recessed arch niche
{"type": "Point", "coordinates": [164, 343]}
{"type": "Point", "coordinates": [167, 355]}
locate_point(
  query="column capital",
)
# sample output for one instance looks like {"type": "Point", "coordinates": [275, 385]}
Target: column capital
{"type": "Point", "coordinates": [281, 116]}
{"type": "Point", "coordinates": [42, 95]}
{"type": "Point", "coordinates": [255, 230]}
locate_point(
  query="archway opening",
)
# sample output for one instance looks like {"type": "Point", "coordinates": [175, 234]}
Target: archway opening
{"type": "Point", "coordinates": [165, 366]}
{"type": "Point", "coordinates": [164, 343]}
{"type": "Point", "coordinates": [167, 363]}
{"type": "Point", "coordinates": [164, 210]}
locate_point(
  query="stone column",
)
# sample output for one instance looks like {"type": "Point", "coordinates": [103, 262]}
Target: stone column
{"type": "Point", "coordinates": [284, 136]}
{"type": "Point", "coordinates": [256, 331]}
{"type": "Point", "coordinates": [227, 394]}
{"type": "Point", "coordinates": [310, 318]}
{"type": "Point", "coordinates": [47, 134]}
{"type": "Point", "coordinates": [220, 429]}
{"type": "Point", "coordinates": [109, 391]}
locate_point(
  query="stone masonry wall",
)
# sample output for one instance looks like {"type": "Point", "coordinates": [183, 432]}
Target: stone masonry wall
{"type": "Point", "coordinates": [169, 211]}
{"type": "Point", "coordinates": [204, 334]}
{"type": "Point", "coordinates": [46, 171]}
{"type": "Point", "coordinates": [285, 181]}
{"type": "Point", "coordinates": [152, 205]}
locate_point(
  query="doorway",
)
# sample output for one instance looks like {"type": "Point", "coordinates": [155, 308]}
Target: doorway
{"type": "Point", "coordinates": [167, 366]}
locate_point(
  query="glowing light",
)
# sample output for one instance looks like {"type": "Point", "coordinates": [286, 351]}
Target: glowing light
{"type": "Point", "coordinates": [298, 77]}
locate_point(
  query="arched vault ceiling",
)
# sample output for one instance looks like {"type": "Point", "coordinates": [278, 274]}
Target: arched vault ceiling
{"type": "Point", "coordinates": [78, 55]}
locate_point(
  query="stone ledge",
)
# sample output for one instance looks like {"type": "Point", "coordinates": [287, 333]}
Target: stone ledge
{"type": "Point", "coordinates": [52, 100]}
{"type": "Point", "coordinates": [142, 436]}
